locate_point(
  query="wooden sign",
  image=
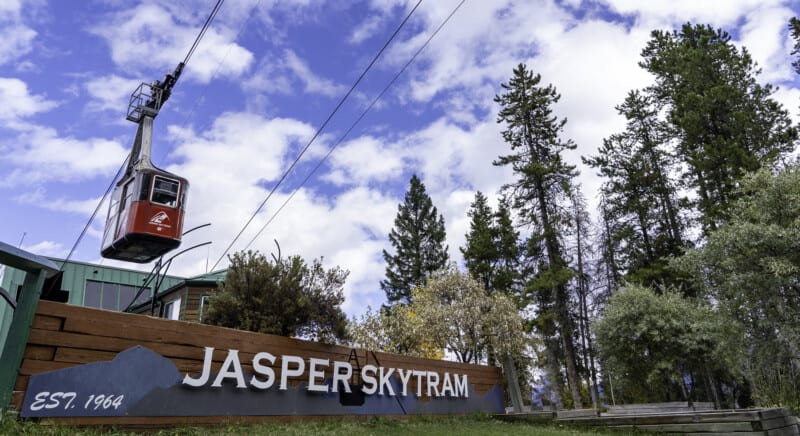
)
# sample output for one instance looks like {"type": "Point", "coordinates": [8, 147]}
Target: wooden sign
{"type": "Point", "coordinates": [93, 366]}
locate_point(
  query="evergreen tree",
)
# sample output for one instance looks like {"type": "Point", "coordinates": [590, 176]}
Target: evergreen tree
{"type": "Point", "coordinates": [581, 253]}
{"type": "Point", "coordinates": [418, 238]}
{"type": "Point", "coordinates": [544, 178]}
{"type": "Point", "coordinates": [794, 30]}
{"type": "Point", "coordinates": [638, 193]}
{"type": "Point", "coordinates": [491, 250]}
{"type": "Point", "coordinates": [725, 122]}
{"type": "Point", "coordinates": [506, 271]}
{"type": "Point", "coordinates": [480, 250]}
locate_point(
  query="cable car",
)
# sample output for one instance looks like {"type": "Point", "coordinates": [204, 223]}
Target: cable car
{"type": "Point", "coordinates": [146, 212]}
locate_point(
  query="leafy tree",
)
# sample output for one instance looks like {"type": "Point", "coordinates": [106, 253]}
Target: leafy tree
{"type": "Point", "coordinates": [750, 266]}
{"type": "Point", "coordinates": [400, 331]}
{"type": "Point", "coordinates": [543, 179]}
{"type": "Point", "coordinates": [418, 239]}
{"type": "Point", "coordinates": [725, 122]}
{"type": "Point", "coordinates": [465, 318]}
{"type": "Point", "coordinates": [654, 340]}
{"type": "Point", "coordinates": [287, 297]}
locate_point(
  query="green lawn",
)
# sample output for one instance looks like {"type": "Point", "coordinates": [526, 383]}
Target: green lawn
{"type": "Point", "coordinates": [428, 426]}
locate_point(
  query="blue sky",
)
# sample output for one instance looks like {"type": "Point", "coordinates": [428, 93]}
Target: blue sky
{"type": "Point", "coordinates": [269, 72]}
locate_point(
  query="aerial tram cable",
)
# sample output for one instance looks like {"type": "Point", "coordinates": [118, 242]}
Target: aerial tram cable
{"type": "Point", "coordinates": [355, 123]}
{"type": "Point", "coordinates": [222, 60]}
{"type": "Point", "coordinates": [318, 132]}
{"type": "Point", "coordinates": [126, 163]}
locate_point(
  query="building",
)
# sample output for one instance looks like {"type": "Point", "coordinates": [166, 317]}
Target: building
{"type": "Point", "coordinates": [185, 300]}
{"type": "Point", "coordinates": [118, 289]}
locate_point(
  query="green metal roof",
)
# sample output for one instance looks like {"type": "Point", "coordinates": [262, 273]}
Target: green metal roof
{"type": "Point", "coordinates": [75, 275]}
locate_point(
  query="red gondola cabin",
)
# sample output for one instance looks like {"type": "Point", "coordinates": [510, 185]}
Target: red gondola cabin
{"type": "Point", "coordinates": [145, 218]}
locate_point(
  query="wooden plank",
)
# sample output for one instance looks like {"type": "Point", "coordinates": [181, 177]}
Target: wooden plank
{"type": "Point", "coordinates": [774, 413]}
{"type": "Point", "coordinates": [540, 417]}
{"type": "Point", "coordinates": [751, 416]}
{"type": "Point", "coordinates": [31, 366]}
{"type": "Point", "coordinates": [186, 336]}
{"type": "Point", "coordinates": [17, 397]}
{"type": "Point", "coordinates": [576, 413]}
{"type": "Point", "coordinates": [785, 431]}
{"type": "Point", "coordinates": [779, 422]}
{"type": "Point", "coordinates": [22, 382]}
{"type": "Point", "coordinates": [39, 352]}
{"type": "Point", "coordinates": [738, 433]}
{"type": "Point", "coordinates": [81, 356]}
{"type": "Point", "coordinates": [714, 427]}
{"type": "Point", "coordinates": [46, 322]}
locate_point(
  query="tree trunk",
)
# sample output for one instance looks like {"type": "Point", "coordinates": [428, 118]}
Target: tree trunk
{"type": "Point", "coordinates": [712, 385]}
{"type": "Point", "coordinates": [572, 372]}
{"type": "Point", "coordinates": [554, 375]}
{"type": "Point", "coordinates": [584, 311]}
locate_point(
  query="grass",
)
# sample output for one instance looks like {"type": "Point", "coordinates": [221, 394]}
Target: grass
{"type": "Point", "coordinates": [424, 425]}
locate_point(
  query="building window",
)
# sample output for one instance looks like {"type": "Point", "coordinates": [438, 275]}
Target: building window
{"type": "Point", "coordinates": [172, 310]}
{"type": "Point", "coordinates": [112, 296]}
{"type": "Point", "coordinates": [203, 307]}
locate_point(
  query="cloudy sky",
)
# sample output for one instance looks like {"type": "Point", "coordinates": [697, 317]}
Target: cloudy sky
{"type": "Point", "coordinates": [266, 76]}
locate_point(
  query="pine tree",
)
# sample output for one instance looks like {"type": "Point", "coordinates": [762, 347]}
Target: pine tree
{"type": "Point", "coordinates": [794, 30]}
{"type": "Point", "coordinates": [491, 251]}
{"type": "Point", "coordinates": [506, 271]}
{"type": "Point", "coordinates": [418, 238]}
{"type": "Point", "coordinates": [480, 251]}
{"type": "Point", "coordinates": [581, 251]}
{"type": "Point", "coordinates": [544, 178]}
{"type": "Point", "coordinates": [639, 193]}
{"type": "Point", "coordinates": [725, 122]}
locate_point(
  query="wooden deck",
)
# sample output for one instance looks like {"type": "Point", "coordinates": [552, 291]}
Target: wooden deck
{"type": "Point", "coordinates": [771, 422]}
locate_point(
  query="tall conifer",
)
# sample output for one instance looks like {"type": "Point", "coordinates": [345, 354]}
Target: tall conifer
{"type": "Point", "coordinates": [725, 122]}
{"type": "Point", "coordinates": [480, 251]}
{"type": "Point", "coordinates": [418, 238]}
{"type": "Point", "coordinates": [543, 180]}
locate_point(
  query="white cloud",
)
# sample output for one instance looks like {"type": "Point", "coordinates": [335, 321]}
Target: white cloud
{"type": "Point", "coordinates": [41, 155]}
{"type": "Point", "coordinates": [18, 103]}
{"type": "Point", "coordinates": [480, 45]}
{"type": "Point", "coordinates": [716, 12]}
{"type": "Point", "coordinates": [790, 99]}
{"type": "Point", "coordinates": [39, 198]}
{"type": "Point", "coordinates": [47, 248]}
{"type": "Point", "coordinates": [364, 160]}
{"type": "Point", "coordinates": [313, 84]}
{"type": "Point", "coordinates": [231, 168]}
{"type": "Point", "coordinates": [110, 93]}
{"type": "Point", "coordinates": [283, 75]}
{"type": "Point", "coordinates": [365, 29]}
{"type": "Point", "coordinates": [148, 36]}
{"type": "Point", "coordinates": [766, 37]}
{"type": "Point", "coordinates": [17, 37]}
